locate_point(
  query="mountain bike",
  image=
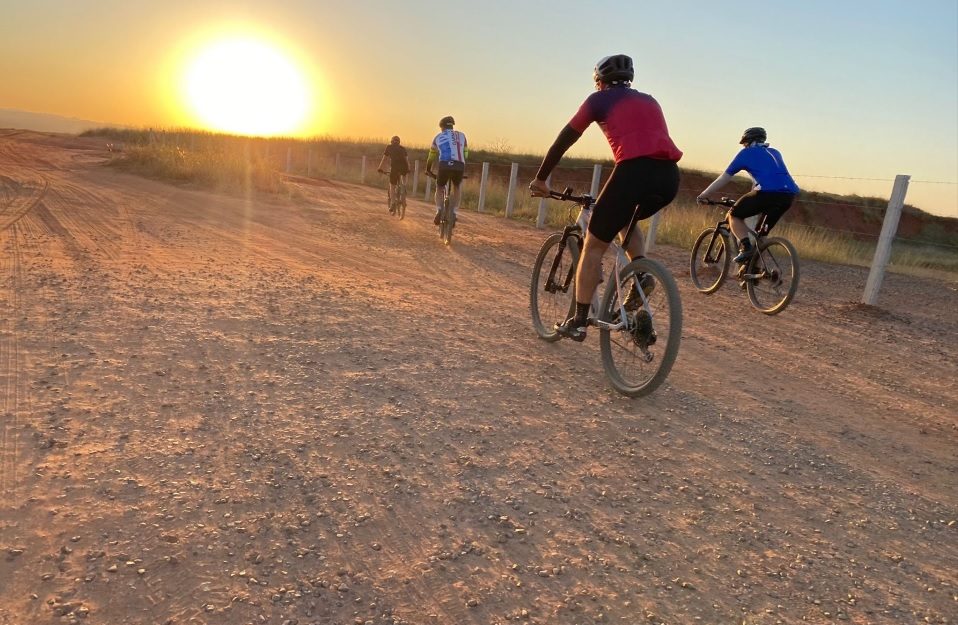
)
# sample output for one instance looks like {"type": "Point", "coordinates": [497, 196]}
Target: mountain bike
{"type": "Point", "coordinates": [770, 276]}
{"type": "Point", "coordinates": [447, 217]}
{"type": "Point", "coordinates": [397, 205]}
{"type": "Point", "coordinates": [639, 332]}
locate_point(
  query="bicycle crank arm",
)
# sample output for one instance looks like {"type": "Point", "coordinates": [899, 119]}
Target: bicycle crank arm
{"type": "Point", "coordinates": [605, 325]}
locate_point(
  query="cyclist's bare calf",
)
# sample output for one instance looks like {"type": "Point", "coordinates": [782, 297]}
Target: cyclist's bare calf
{"type": "Point", "coordinates": [456, 197]}
{"type": "Point", "coordinates": [589, 273]}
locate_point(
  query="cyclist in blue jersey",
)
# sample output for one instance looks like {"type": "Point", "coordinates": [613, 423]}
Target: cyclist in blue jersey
{"type": "Point", "coordinates": [449, 150]}
{"type": "Point", "coordinates": [772, 194]}
{"type": "Point", "coordinates": [646, 176]}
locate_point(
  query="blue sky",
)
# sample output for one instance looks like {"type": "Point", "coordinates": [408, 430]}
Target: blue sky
{"type": "Point", "coordinates": [849, 89]}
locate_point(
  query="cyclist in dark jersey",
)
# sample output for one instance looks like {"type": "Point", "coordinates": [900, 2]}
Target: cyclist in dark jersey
{"type": "Point", "coordinates": [399, 165]}
{"type": "Point", "coordinates": [772, 194]}
{"type": "Point", "coordinates": [645, 175]}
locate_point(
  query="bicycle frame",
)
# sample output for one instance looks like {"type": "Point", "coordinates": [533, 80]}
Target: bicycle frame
{"type": "Point", "coordinates": [620, 261]}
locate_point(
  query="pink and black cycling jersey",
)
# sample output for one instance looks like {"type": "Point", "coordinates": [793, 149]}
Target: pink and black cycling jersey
{"type": "Point", "coordinates": [632, 122]}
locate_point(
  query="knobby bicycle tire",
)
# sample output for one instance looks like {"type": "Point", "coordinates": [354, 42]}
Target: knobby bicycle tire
{"type": "Point", "coordinates": [697, 264]}
{"type": "Point", "coordinates": [778, 257]}
{"type": "Point", "coordinates": [664, 311]}
{"type": "Point", "coordinates": [542, 267]}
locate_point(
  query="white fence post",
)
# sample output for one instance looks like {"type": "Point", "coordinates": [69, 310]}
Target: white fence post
{"type": "Point", "coordinates": [541, 217]}
{"type": "Point", "coordinates": [596, 178]}
{"type": "Point", "coordinates": [415, 177]}
{"type": "Point", "coordinates": [309, 163]}
{"type": "Point", "coordinates": [888, 229]}
{"type": "Point", "coordinates": [289, 159]}
{"type": "Point", "coordinates": [362, 171]}
{"type": "Point", "coordinates": [511, 196]}
{"type": "Point", "coordinates": [336, 167]}
{"type": "Point", "coordinates": [482, 187]}
{"type": "Point", "coordinates": [428, 184]}
{"type": "Point", "coordinates": [653, 228]}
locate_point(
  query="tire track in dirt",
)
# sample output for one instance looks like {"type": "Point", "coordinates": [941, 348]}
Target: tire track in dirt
{"type": "Point", "coordinates": [13, 398]}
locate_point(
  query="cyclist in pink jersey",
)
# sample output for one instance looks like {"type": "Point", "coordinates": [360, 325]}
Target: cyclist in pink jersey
{"type": "Point", "coordinates": [645, 177]}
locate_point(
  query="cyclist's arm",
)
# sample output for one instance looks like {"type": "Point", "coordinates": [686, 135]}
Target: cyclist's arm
{"type": "Point", "coordinates": [733, 168]}
{"type": "Point", "coordinates": [717, 184]}
{"type": "Point", "coordinates": [431, 159]}
{"type": "Point", "coordinates": [567, 137]}
{"type": "Point", "coordinates": [381, 163]}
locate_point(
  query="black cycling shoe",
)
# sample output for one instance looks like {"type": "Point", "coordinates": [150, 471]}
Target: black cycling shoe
{"type": "Point", "coordinates": [744, 254]}
{"type": "Point", "coordinates": [572, 329]}
{"type": "Point", "coordinates": [436, 220]}
{"type": "Point", "coordinates": [633, 301]}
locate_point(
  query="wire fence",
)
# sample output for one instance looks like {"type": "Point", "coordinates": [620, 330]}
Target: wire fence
{"type": "Point", "coordinates": [828, 226]}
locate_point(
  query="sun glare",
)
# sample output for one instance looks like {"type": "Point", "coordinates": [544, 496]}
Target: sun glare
{"type": "Point", "coordinates": [246, 86]}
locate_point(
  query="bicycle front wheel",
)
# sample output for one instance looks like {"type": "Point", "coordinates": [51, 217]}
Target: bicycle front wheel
{"type": "Point", "coordinates": [775, 271]}
{"type": "Point", "coordinates": [552, 290]}
{"type": "Point", "coordinates": [638, 357]}
{"type": "Point", "coordinates": [401, 207]}
{"type": "Point", "coordinates": [710, 261]}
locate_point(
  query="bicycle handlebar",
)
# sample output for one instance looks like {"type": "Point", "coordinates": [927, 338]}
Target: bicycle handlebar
{"type": "Point", "coordinates": [725, 201]}
{"type": "Point", "coordinates": [585, 200]}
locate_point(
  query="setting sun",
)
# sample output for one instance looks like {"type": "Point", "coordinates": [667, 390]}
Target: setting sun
{"type": "Point", "coordinates": [246, 86]}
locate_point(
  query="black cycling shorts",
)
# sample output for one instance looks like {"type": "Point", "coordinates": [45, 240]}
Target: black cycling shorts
{"type": "Point", "coordinates": [394, 176]}
{"type": "Point", "coordinates": [647, 183]}
{"type": "Point", "coordinates": [772, 203]}
{"type": "Point", "coordinates": [450, 171]}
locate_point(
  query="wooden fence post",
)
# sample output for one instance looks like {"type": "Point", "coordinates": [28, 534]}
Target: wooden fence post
{"type": "Point", "coordinates": [336, 167]}
{"type": "Point", "coordinates": [541, 217]}
{"type": "Point", "coordinates": [885, 239]}
{"type": "Point", "coordinates": [289, 159]}
{"type": "Point", "coordinates": [482, 187]}
{"type": "Point", "coordinates": [415, 177]}
{"type": "Point", "coordinates": [428, 184]}
{"type": "Point", "coordinates": [596, 179]}
{"type": "Point", "coordinates": [309, 163]}
{"type": "Point", "coordinates": [511, 196]}
{"type": "Point", "coordinates": [362, 171]}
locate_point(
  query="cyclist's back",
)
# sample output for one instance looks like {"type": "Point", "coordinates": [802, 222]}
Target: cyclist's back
{"type": "Point", "coordinates": [448, 151]}
{"type": "Point", "coordinates": [450, 146]}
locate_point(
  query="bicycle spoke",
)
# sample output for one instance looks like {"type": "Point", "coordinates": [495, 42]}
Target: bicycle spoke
{"type": "Point", "coordinates": [709, 263]}
{"type": "Point", "coordinates": [638, 357]}
{"type": "Point", "coordinates": [548, 302]}
{"type": "Point", "coordinates": [776, 276]}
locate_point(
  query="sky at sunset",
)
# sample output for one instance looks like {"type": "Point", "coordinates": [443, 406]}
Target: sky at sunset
{"type": "Point", "coordinates": [848, 90]}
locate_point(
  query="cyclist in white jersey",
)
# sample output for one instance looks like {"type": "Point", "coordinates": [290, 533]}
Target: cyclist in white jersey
{"type": "Point", "coordinates": [449, 150]}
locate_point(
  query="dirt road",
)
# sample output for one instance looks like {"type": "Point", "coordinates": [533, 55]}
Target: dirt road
{"type": "Point", "coordinates": [298, 411]}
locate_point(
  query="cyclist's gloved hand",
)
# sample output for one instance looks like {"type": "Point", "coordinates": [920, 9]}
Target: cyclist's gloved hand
{"type": "Point", "coordinates": [380, 170]}
{"type": "Point", "coordinates": [702, 199]}
{"type": "Point", "coordinates": [539, 188]}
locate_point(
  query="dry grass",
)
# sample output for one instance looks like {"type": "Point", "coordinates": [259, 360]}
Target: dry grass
{"type": "Point", "coordinates": [245, 164]}
{"type": "Point", "coordinates": [681, 224]}
{"type": "Point", "coordinates": [230, 171]}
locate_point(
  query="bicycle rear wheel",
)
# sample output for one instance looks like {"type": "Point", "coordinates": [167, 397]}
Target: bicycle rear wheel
{"type": "Point", "coordinates": [776, 269]}
{"type": "Point", "coordinates": [401, 201]}
{"type": "Point", "coordinates": [552, 293]}
{"type": "Point", "coordinates": [709, 263]}
{"type": "Point", "coordinates": [639, 357]}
